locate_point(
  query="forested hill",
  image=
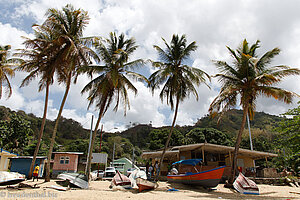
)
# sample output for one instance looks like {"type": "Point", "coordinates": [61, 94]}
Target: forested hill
{"type": "Point", "coordinates": [143, 136]}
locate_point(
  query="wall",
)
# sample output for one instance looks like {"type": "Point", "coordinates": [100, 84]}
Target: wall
{"type": "Point", "coordinates": [72, 166]}
{"type": "Point", "coordinates": [22, 165]}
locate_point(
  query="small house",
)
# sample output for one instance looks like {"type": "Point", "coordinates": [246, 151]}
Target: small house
{"type": "Point", "coordinates": [65, 162]}
{"type": "Point", "coordinates": [123, 164]}
{"type": "Point", "coordinates": [22, 164]}
{"type": "Point", "coordinates": [4, 159]}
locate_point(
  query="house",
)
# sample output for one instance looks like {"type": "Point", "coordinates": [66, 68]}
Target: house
{"type": "Point", "coordinates": [123, 164]}
{"type": "Point", "coordinates": [212, 156]}
{"type": "Point", "coordinates": [22, 164]}
{"type": "Point", "coordinates": [4, 159]}
{"type": "Point", "coordinates": [65, 162]}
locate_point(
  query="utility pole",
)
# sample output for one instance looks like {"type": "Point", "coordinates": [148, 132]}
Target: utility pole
{"type": "Point", "coordinates": [113, 158]}
{"type": "Point", "coordinates": [87, 167]}
{"type": "Point", "coordinates": [132, 157]}
{"type": "Point", "coordinates": [100, 148]}
{"type": "Point", "coordinates": [250, 138]}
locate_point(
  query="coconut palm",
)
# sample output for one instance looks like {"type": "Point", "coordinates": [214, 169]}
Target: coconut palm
{"type": "Point", "coordinates": [247, 78]}
{"type": "Point", "coordinates": [6, 70]}
{"type": "Point", "coordinates": [40, 61]}
{"type": "Point", "coordinates": [71, 52]}
{"type": "Point", "coordinates": [112, 82]}
{"type": "Point", "coordinates": [178, 79]}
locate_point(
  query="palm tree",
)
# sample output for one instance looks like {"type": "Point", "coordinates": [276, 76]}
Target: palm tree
{"type": "Point", "coordinates": [247, 78]}
{"type": "Point", "coordinates": [71, 52]}
{"type": "Point", "coordinates": [40, 62]}
{"type": "Point", "coordinates": [6, 70]}
{"type": "Point", "coordinates": [112, 82]}
{"type": "Point", "coordinates": [178, 78]}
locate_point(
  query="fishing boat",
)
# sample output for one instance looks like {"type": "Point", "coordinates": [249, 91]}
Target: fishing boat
{"type": "Point", "coordinates": [209, 178]}
{"type": "Point", "coordinates": [10, 178]}
{"type": "Point", "coordinates": [79, 180]}
{"type": "Point", "coordinates": [245, 186]}
{"type": "Point", "coordinates": [144, 184]}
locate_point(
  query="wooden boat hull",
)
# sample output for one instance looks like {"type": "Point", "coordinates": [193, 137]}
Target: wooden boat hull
{"type": "Point", "coordinates": [209, 178]}
{"type": "Point", "coordinates": [144, 184]}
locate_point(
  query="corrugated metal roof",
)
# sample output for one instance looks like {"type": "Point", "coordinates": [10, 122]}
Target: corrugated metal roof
{"type": "Point", "coordinates": [77, 153]}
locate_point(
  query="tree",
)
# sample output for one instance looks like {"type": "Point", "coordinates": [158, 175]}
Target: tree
{"type": "Point", "coordinates": [178, 78]}
{"type": "Point", "coordinates": [160, 136]}
{"type": "Point", "coordinates": [248, 78]}
{"type": "Point", "coordinates": [289, 139]}
{"type": "Point", "coordinates": [112, 81]}
{"type": "Point", "coordinates": [70, 50]}
{"type": "Point", "coordinates": [14, 133]}
{"type": "Point", "coordinates": [6, 70]}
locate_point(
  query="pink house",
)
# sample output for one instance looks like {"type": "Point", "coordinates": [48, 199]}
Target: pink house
{"type": "Point", "coordinates": [65, 162]}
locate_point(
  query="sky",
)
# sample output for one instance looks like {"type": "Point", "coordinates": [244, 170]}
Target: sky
{"type": "Point", "coordinates": [213, 24]}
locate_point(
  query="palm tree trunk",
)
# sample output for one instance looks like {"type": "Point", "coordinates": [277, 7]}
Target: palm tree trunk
{"type": "Point", "coordinates": [89, 161]}
{"type": "Point", "coordinates": [47, 178]}
{"type": "Point", "coordinates": [237, 146]}
{"type": "Point", "coordinates": [37, 148]}
{"type": "Point", "coordinates": [169, 138]}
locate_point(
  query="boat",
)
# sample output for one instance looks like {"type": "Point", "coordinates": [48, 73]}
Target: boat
{"type": "Point", "coordinates": [245, 186]}
{"type": "Point", "coordinates": [145, 184]}
{"type": "Point", "coordinates": [208, 179]}
{"type": "Point", "coordinates": [10, 178]}
{"type": "Point", "coordinates": [79, 180]}
{"type": "Point", "coordinates": [120, 180]}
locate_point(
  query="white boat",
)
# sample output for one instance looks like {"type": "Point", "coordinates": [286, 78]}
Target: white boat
{"type": "Point", "coordinates": [144, 184]}
{"type": "Point", "coordinates": [80, 180]}
{"type": "Point", "coordinates": [11, 178]}
{"type": "Point", "coordinates": [245, 186]}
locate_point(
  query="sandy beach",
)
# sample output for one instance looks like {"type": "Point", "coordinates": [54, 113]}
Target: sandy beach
{"type": "Point", "coordinates": [100, 190]}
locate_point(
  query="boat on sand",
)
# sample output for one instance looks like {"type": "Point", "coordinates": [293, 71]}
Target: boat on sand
{"type": "Point", "coordinates": [79, 180]}
{"type": "Point", "coordinates": [10, 178]}
{"type": "Point", "coordinates": [245, 186]}
{"type": "Point", "coordinates": [120, 180]}
{"type": "Point", "coordinates": [145, 184]}
{"type": "Point", "coordinates": [208, 179]}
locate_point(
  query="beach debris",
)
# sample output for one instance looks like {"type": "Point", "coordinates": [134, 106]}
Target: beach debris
{"type": "Point", "coordinates": [245, 186]}
{"type": "Point", "coordinates": [295, 192]}
{"type": "Point", "coordinates": [23, 185]}
{"type": "Point", "coordinates": [56, 187]}
{"type": "Point", "coordinates": [172, 190]}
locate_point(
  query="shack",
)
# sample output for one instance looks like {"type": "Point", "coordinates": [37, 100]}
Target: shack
{"type": "Point", "coordinates": [22, 164]}
{"type": "Point", "coordinates": [65, 162]}
{"type": "Point", "coordinates": [123, 164]}
{"type": "Point", "coordinates": [212, 156]}
{"type": "Point", "coordinates": [4, 159]}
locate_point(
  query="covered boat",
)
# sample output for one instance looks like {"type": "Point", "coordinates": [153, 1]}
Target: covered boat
{"type": "Point", "coordinates": [11, 178]}
{"type": "Point", "coordinates": [79, 180]}
{"type": "Point", "coordinates": [121, 180]}
{"type": "Point", "coordinates": [244, 185]}
{"type": "Point", "coordinates": [209, 178]}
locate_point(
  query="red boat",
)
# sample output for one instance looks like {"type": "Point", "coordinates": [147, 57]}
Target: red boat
{"type": "Point", "coordinates": [144, 184]}
{"type": "Point", "coordinates": [208, 179]}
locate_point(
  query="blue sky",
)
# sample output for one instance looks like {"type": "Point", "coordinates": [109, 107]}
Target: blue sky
{"type": "Point", "coordinates": [213, 24]}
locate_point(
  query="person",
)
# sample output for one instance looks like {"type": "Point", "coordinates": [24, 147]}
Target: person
{"type": "Point", "coordinates": [174, 171]}
{"type": "Point", "coordinates": [150, 170]}
{"type": "Point", "coordinates": [156, 168]}
{"type": "Point", "coordinates": [36, 172]}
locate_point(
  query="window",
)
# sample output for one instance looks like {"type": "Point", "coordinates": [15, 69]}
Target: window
{"type": "Point", "coordinates": [62, 160]}
{"type": "Point", "coordinates": [67, 160]}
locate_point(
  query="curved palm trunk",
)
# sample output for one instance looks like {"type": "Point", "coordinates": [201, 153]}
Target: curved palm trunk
{"type": "Point", "coordinates": [237, 146]}
{"type": "Point", "coordinates": [169, 138]}
{"type": "Point", "coordinates": [37, 148]}
{"type": "Point", "coordinates": [47, 178]}
{"type": "Point", "coordinates": [89, 161]}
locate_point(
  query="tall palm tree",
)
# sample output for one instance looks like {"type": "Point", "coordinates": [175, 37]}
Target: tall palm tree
{"type": "Point", "coordinates": [40, 61]}
{"type": "Point", "coordinates": [72, 51]}
{"type": "Point", "coordinates": [6, 70]}
{"type": "Point", "coordinates": [247, 78]}
{"type": "Point", "coordinates": [178, 79]}
{"type": "Point", "coordinates": [112, 81]}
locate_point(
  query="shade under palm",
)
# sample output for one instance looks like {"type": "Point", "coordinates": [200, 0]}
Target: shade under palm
{"type": "Point", "coordinates": [178, 79]}
{"type": "Point", "coordinates": [246, 79]}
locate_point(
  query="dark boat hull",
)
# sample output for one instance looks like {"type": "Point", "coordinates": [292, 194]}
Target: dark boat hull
{"type": "Point", "coordinates": [209, 178]}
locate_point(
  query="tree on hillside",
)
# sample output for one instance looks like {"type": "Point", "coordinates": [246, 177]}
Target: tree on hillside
{"type": "Point", "coordinates": [71, 51]}
{"type": "Point", "coordinates": [6, 70]}
{"type": "Point", "coordinates": [158, 138]}
{"type": "Point", "coordinates": [112, 82]}
{"type": "Point", "coordinates": [248, 78]}
{"type": "Point", "coordinates": [178, 79]}
{"type": "Point", "coordinates": [289, 140]}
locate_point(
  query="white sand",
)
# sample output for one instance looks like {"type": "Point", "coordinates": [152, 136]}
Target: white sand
{"type": "Point", "coordinates": [100, 190]}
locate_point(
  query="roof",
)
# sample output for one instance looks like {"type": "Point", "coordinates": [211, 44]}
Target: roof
{"type": "Point", "coordinates": [76, 153]}
{"type": "Point", "coordinates": [214, 148]}
{"type": "Point", "coordinates": [157, 154]}
{"type": "Point", "coordinates": [28, 157]}
{"type": "Point", "coordinates": [7, 153]}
